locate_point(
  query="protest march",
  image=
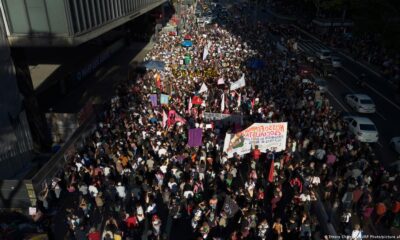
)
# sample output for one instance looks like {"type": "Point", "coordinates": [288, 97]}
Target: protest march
{"type": "Point", "coordinates": [220, 139]}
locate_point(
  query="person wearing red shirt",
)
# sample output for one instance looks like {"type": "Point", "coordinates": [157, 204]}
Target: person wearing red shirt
{"type": "Point", "coordinates": [256, 153]}
{"type": "Point", "coordinates": [94, 234]}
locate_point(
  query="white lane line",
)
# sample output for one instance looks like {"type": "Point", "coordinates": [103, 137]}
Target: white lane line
{"type": "Point", "coordinates": [341, 53]}
{"type": "Point", "coordinates": [380, 115]}
{"type": "Point", "coordinates": [361, 64]}
{"type": "Point", "coordinates": [374, 90]}
{"type": "Point", "coordinates": [350, 72]}
{"type": "Point", "coordinates": [338, 102]}
{"type": "Point", "coordinates": [382, 96]}
{"type": "Point", "coordinates": [351, 90]}
{"type": "Point", "coordinates": [344, 84]}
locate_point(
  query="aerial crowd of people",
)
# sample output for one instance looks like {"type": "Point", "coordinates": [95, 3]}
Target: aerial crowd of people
{"type": "Point", "coordinates": [137, 176]}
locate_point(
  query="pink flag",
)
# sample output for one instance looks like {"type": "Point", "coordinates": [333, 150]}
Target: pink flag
{"type": "Point", "coordinates": [171, 117]}
{"type": "Point", "coordinates": [178, 118]}
{"type": "Point", "coordinates": [164, 119]}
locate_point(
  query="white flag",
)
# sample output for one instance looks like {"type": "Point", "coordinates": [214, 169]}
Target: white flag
{"type": "Point", "coordinates": [238, 84]}
{"type": "Point", "coordinates": [164, 120]}
{"type": "Point", "coordinates": [203, 88]}
{"type": "Point", "coordinates": [205, 53]}
{"type": "Point", "coordinates": [223, 103]}
{"type": "Point", "coordinates": [190, 104]}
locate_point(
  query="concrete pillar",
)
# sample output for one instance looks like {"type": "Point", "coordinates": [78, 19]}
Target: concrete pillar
{"type": "Point", "coordinates": [36, 118]}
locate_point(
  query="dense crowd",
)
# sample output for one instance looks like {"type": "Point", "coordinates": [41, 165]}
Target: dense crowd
{"type": "Point", "coordinates": [136, 175]}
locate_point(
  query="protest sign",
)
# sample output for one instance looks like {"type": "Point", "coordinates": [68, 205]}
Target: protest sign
{"type": "Point", "coordinates": [221, 81]}
{"type": "Point", "coordinates": [268, 136]}
{"type": "Point", "coordinates": [195, 137]}
{"type": "Point", "coordinates": [238, 84]}
{"type": "Point", "coordinates": [236, 144]}
{"type": "Point", "coordinates": [153, 99]}
{"type": "Point", "coordinates": [164, 99]}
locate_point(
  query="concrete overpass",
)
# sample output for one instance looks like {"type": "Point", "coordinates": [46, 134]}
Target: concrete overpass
{"type": "Point", "coordinates": [44, 23]}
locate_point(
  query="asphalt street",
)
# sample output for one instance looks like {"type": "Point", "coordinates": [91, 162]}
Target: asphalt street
{"type": "Point", "coordinates": [387, 116]}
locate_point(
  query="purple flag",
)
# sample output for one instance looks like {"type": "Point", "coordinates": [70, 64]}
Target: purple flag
{"type": "Point", "coordinates": [195, 137]}
{"type": "Point", "coordinates": [153, 99]}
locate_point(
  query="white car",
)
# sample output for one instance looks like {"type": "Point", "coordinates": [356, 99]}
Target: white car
{"type": "Point", "coordinates": [363, 128]}
{"type": "Point", "coordinates": [395, 144]}
{"type": "Point", "coordinates": [336, 63]}
{"type": "Point", "coordinates": [361, 103]}
{"type": "Point", "coordinates": [324, 54]}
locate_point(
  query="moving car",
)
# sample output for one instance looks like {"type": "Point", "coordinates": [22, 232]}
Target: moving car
{"type": "Point", "coordinates": [363, 128]}
{"type": "Point", "coordinates": [324, 54]}
{"type": "Point", "coordinates": [362, 103]}
{"type": "Point", "coordinates": [395, 144]}
{"type": "Point", "coordinates": [336, 63]}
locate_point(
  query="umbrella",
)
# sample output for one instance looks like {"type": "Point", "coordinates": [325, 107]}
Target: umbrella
{"type": "Point", "coordinates": [187, 43]}
{"type": "Point", "coordinates": [187, 37]}
{"type": "Point", "coordinates": [255, 64]}
{"type": "Point", "coordinates": [158, 65]}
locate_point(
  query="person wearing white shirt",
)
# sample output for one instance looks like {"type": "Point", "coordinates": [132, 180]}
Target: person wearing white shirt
{"type": "Point", "coordinates": [305, 197]}
{"type": "Point", "coordinates": [121, 191]}
{"type": "Point", "coordinates": [356, 234]}
{"type": "Point", "coordinates": [107, 170]}
{"type": "Point", "coordinates": [93, 190]}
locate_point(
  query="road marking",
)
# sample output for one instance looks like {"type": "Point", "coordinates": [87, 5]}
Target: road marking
{"type": "Point", "coordinates": [382, 96]}
{"type": "Point", "coordinates": [338, 102]}
{"type": "Point", "coordinates": [361, 64]}
{"type": "Point", "coordinates": [380, 115]}
{"type": "Point", "coordinates": [350, 72]}
{"type": "Point", "coordinates": [340, 52]}
{"type": "Point", "coordinates": [373, 89]}
{"type": "Point", "coordinates": [344, 84]}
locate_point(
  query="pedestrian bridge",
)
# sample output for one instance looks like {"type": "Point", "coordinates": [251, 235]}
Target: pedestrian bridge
{"type": "Point", "coordinates": [67, 22]}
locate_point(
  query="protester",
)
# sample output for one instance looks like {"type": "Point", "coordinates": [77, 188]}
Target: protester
{"type": "Point", "coordinates": [140, 173]}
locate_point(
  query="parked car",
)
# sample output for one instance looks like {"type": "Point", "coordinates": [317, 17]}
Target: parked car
{"type": "Point", "coordinates": [361, 103]}
{"type": "Point", "coordinates": [395, 144]}
{"type": "Point", "coordinates": [363, 128]}
{"type": "Point", "coordinates": [324, 54]}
